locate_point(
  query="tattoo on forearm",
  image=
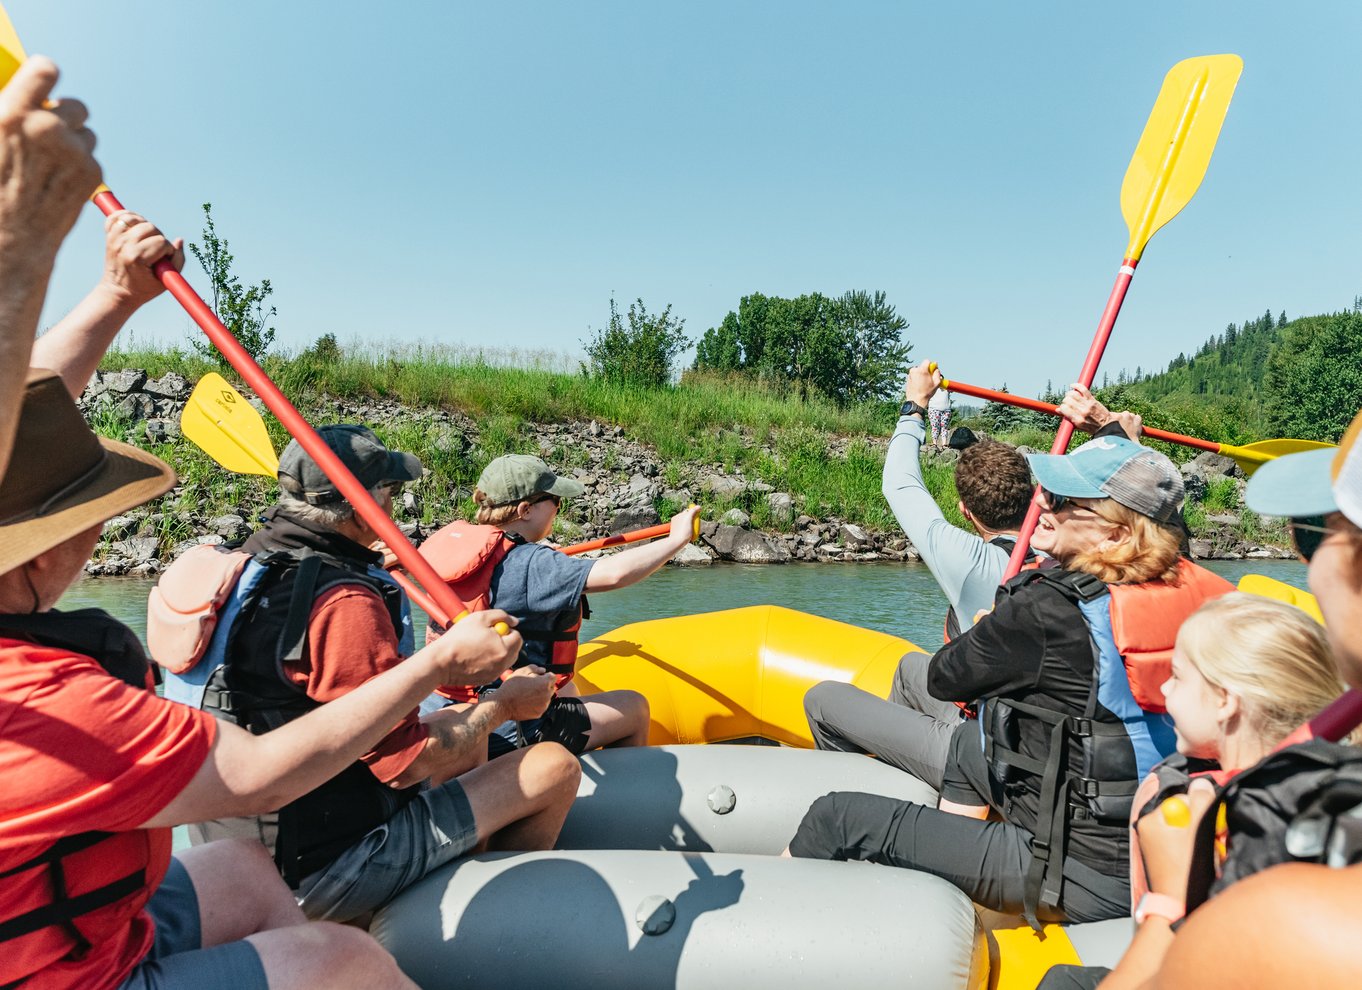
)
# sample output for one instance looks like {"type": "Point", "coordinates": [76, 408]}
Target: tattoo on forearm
{"type": "Point", "coordinates": [461, 736]}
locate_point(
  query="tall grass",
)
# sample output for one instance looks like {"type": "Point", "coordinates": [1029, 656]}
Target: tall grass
{"type": "Point", "coordinates": [828, 456]}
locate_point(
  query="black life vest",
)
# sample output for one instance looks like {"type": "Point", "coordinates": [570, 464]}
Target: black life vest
{"type": "Point", "coordinates": [95, 634]}
{"type": "Point", "coordinates": [1121, 734]}
{"type": "Point", "coordinates": [1302, 804]}
{"type": "Point", "coordinates": [252, 689]}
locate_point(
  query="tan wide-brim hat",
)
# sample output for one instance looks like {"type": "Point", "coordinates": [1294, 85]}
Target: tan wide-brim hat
{"type": "Point", "coordinates": [62, 479]}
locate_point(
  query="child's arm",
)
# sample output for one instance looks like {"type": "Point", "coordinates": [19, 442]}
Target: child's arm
{"type": "Point", "coordinates": [631, 566]}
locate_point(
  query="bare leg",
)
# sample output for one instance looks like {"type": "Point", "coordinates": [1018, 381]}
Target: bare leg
{"type": "Point", "coordinates": [239, 890]}
{"type": "Point", "coordinates": [618, 718]}
{"type": "Point", "coordinates": [325, 954]}
{"type": "Point", "coordinates": [241, 896]}
{"type": "Point", "coordinates": [519, 800]}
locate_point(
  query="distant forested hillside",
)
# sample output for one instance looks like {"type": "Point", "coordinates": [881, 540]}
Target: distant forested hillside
{"type": "Point", "coordinates": [1266, 377]}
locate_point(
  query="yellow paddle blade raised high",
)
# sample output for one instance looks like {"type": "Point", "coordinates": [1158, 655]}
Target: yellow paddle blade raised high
{"type": "Point", "coordinates": [1266, 587]}
{"type": "Point", "coordinates": [219, 419]}
{"type": "Point", "coordinates": [1171, 159]}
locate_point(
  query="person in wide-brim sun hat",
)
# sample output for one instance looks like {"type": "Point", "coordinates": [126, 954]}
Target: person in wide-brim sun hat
{"type": "Point", "coordinates": [62, 479]}
{"type": "Point", "coordinates": [1320, 494]}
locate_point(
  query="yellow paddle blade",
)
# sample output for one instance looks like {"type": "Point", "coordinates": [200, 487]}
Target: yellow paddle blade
{"type": "Point", "coordinates": [219, 419]}
{"type": "Point", "coordinates": [11, 48]}
{"type": "Point", "coordinates": [1175, 148]}
{"type": "Point", "coordinates": [1266, 587]}
{"type": "Point", "coordinates": [1252, 456]}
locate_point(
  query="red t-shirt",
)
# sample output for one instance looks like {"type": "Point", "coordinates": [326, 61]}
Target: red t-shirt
{"type": "Point", "coordinates": [79, 751]}
{"type": "Point", "coordinates": [350, 640]}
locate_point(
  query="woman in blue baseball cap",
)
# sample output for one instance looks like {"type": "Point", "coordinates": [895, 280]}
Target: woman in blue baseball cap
{"type": "Point", "coordinates": [1066, 674]}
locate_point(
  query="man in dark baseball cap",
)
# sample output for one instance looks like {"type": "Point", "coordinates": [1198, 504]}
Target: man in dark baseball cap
{"type": "Point", "coordinates": [360, 450]}
{"type": "Point", "coordinates": [328, 619]}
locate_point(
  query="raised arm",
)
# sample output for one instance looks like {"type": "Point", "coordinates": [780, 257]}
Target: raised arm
{"type": "Point", "coordinates": [74, 346]}
{"type": "Point", "coordinates": [247, 774]}
{"type": "Point", "coordinates": [47, 170]}
{"type": "Point", "coordinates": [631, 566]}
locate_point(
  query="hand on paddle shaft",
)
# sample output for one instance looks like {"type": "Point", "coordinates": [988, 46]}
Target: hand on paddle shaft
{"type": "Point", "coordinates": [1082, 409]}
{"type": "Point", "coordinates": [922, 383]}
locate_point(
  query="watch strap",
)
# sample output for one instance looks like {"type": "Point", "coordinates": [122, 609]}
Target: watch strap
{"type": "Point", "coordinates": [910, 407]}
{"type": "Point", "coordinates": [1160, 905]}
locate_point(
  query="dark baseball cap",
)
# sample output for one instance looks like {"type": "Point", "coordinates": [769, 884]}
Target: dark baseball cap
{"type": "Point", "coordinates": [517, 477]}
{"type": "Point", "coordinates": [359, 450]}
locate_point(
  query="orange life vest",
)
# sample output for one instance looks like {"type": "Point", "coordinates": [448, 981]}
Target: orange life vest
{"type": "Point", "coordinates": [1144, 624]}
{"type": "Point", "coordinates": [465, 555]}
{"type": "Point", "coordinates": [83, 888]}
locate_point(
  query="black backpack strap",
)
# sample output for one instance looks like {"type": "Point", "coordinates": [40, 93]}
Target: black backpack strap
{"type": "Point", "coordinates": [1078, 585]}
{"type": "Point", "coordinates": [294, 634]}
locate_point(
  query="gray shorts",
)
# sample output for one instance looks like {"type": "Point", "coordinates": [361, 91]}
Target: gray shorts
{"type": "Point", "coordinates": [434, 828]}
{"type": "Point", "coordinates": [177, 960]}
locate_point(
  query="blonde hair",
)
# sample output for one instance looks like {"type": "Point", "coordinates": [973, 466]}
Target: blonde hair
{"type": "Point", "coordinates": [1150, 553]}
{"type": "Point", "coordinates": [1271, 655]}
{"type": "Point", "coordinates": [493, 515]}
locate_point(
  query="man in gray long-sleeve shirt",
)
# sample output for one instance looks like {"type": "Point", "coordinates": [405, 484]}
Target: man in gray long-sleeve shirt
{"type": "Point", "coordinates": [912, 730]}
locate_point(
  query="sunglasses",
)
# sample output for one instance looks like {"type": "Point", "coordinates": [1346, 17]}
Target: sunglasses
{"type": "Point", "coordinates": [1307, 533]}
{"type": "Point", "coordinates": [557, 500]}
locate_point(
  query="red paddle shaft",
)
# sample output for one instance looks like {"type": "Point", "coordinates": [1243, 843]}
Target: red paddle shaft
{"type": "Point", "coordinates": [1037, 406]}
{"type": "Point", "coordinates": [1066, 429]}
{"type": "Point", "coordinates": [651, 533]}
{"type": "Point", "coordinates": [371, 512]}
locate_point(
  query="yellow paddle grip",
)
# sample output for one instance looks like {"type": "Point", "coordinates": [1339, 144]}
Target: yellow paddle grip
{"type": "Point", "coordinates": [502, 628]}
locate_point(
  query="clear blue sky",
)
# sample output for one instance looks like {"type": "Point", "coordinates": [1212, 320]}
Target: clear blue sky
{"type": "Point", "coordinates": [494, 172]}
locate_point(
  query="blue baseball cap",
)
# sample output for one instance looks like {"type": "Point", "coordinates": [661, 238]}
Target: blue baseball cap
{"type": "Point", "coordinates": [1116, 468]}
{"type": "Point", "coordinates": [1312, 483]}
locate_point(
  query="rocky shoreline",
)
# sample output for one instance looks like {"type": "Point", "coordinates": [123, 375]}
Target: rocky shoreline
{"type": "Point", "coordinates": [624, 481]}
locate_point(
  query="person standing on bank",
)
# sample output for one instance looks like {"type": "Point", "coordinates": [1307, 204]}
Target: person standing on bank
{"type": "Point", "coordinates": [939, 412]}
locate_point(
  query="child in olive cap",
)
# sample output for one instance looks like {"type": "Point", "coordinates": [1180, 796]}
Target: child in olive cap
{"type": "Point", "coordinates": [501, 563]}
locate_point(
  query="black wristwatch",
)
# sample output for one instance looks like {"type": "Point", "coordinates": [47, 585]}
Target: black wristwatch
{"type": "Point", "coordinates": [909, 407]}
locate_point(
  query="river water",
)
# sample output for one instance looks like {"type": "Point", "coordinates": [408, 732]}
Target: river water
{"type": "Point", "coordinates": [898, 598]}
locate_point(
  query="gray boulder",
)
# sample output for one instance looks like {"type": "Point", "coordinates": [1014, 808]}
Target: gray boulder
{"type": "Point", "coordinates": [721, 485]}
{"type": "Point", "coordinates": [229, 526]}
{"type": "Point", "coordinates": [634, 517]}
{"type": "Point", "coordinates": [745, 546]}
{"type": "Point", "coordinates": [781, 505]}
{"type": "Point", "coordinates": [136, 407]}
{"type": "Point", "coordinates": [852, 536]}
{"type": "Point", "coordinates": [168, 386]}
{"type": "Point", "coordinates": [1211, 465]}
{"type": "Point", "coordinates": [124, 382]}
{"type": "Point", "coordinates": [692, 556]}
{"type": "Point", "coordinates": [136, 548]}
{"type": "Point", "coordinates": [736, 517]}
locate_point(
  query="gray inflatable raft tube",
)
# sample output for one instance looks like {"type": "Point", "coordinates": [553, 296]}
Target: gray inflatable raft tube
{"type": "Point", "coordinates": [733, 799]}
{"type": "Point", "coordinates": [691, 921]}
